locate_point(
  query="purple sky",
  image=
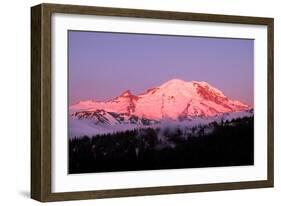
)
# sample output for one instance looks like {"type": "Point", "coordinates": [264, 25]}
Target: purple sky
{"type": "Point", "coordinates": [103, 65]}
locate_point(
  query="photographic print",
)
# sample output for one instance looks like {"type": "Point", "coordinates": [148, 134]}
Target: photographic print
{"type": "Point", "coordinates": [150, 102]}
{"type": "Point", "coordinates": [130, 102]}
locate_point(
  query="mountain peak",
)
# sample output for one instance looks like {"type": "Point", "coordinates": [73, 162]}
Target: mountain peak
{"type": "Point", "coordinates": [174, 84]}
{"type": "Point", "coordinates": [174, 81]}
{"type": "Point", "coordinates": [173, 99]}
{"type": "Point", "coordinates": [126, 93]}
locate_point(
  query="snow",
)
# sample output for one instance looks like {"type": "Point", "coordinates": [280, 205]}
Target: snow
{"type": "Point", "coordinates": [168, 100]}
{"type": "Point", "coordinates": [78, 127]}
{"type": "Point", "coordinates": [171, 100]}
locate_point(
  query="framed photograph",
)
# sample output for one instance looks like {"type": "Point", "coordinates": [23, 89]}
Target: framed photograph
{"type": "Point", "coordinates": [130, 102]}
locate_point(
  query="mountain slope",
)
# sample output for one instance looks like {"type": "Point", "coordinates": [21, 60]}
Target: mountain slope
{"type": "Point", "coordinates": [174, 99]}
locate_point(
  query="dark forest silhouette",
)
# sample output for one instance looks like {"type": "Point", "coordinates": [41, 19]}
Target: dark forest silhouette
{"type": "Point", "coordinates": [230, 143]}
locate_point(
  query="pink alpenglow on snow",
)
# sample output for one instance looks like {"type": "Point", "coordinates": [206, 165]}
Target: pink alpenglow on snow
{"type": "Point", "coordinates": [173, 100]}
{"type": "Point", "coordinates": [178, 102]}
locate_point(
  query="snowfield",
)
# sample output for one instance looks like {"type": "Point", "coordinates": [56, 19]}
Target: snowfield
{"type": "Point", "coordinates": [170, 100]}
{"type": "Point", "coordinates": [176, 103]}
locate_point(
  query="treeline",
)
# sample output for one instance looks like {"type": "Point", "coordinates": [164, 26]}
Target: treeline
{"type": "Point", "coordinates": [230, 143]}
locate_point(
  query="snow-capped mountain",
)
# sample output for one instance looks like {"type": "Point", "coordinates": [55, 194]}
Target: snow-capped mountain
{"type": "Point", "coordinates": [175, 99]}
